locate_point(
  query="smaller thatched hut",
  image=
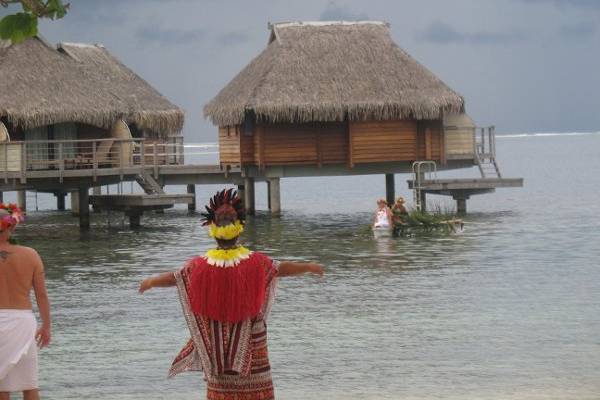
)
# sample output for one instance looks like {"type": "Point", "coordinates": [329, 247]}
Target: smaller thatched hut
{"type": "Point", "coordinates": [76, 93]}
{"type": "Point", "coordinates": [332, 93]}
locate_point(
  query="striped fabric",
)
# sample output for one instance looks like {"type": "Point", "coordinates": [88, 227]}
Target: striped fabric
{"type": "Point", "coordinates": [233, 356]}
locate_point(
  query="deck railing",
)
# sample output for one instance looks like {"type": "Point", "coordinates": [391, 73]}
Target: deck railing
{"type": "Point", "coordinates": [92, 154]}
{"type": "Point", "coordinates": [485, 141]}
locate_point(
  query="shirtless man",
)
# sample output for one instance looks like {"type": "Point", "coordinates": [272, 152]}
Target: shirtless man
{"type": "Point", "coordinates": [21, 269]}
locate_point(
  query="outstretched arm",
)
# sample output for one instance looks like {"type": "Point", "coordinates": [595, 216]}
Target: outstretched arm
{"type": "Point", "coordinates": [288, 268]}
{"type": "Point", "coordinates": [166, 279]}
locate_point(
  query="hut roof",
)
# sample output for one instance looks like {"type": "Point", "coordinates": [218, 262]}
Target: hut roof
{"type": "Point", "coordinates": [329, 71]}
{"type": "Point", "coordinates": [43, 85]}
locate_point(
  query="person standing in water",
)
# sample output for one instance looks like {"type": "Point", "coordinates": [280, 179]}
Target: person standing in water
{"type": "Point", "coordinates": [21, 270]}
{"type": "Point", "coordinates": [383, 215]}
{"type": "Point", "coordinates": [226, 297]}
{"type": "Point", "coordinates": [399, 215]}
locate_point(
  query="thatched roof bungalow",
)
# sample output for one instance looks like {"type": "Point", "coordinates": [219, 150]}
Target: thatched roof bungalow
{"type": "Point", "coordinates": [332, 92]}
{"type": "Point", "coordinates": [43, 85]}
{"type": "Point", "coordinates": [75, 92]}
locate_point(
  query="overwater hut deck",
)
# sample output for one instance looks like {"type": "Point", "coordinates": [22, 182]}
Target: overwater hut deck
{"type": "Point", "coordinates": [341, 98]}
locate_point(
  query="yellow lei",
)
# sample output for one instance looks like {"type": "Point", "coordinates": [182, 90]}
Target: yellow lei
{"type": "Point", "coordinates": [228, 257]}
{"type": "Point", "coordinates": [226, 232]}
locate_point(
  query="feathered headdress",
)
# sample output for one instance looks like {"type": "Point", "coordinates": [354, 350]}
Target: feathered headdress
{"type": "Point", "coordinates": [10, 215]}
{"type": "Point", "coordinates": [225, 215]}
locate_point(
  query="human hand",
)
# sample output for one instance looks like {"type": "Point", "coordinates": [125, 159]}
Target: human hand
{"type": "Point", "coordinates": [43, 336]}
{"type": "Point", "coordinates": [146, 284]}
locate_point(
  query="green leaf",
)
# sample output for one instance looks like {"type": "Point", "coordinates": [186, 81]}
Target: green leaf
{"type": "Point", "coordinates": [18, 27]}
{"type": "Point", "coordinates": [55, 9]}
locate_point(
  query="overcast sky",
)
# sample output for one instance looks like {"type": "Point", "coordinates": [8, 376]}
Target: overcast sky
{"type": "Point", "coordinates": [522, 65]}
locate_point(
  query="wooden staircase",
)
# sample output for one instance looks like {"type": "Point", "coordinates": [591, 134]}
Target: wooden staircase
{"type": "Point", "coordinates": [149, 184]}
{"type": "Point", "coordinates": [485, 153]}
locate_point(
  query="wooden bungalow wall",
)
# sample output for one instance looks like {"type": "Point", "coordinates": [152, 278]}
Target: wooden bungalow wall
{"type": "Point", "coordinates": [229, 145]}
{"type": "Point", "coordinates": [332, 143]}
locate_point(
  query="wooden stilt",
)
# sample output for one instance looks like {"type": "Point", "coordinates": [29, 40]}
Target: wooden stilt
{"type": "Point", "coordinates": [275, 197]}
{"type": "Point", "coordinates": [96, 191]}
{"type": "Point", "coordinates": [135, 219]}
{"type": "Point", "coordinates": [249, 195]}
{"type": "Point", "coordinates": [269, 195]}
{"type": "Point", "coordinates": [390, 189]}
{"type": "Point", "coordinates": [461, 204]}
{"type": "Point", "coordinates": [1, 197]}
{"type": "Point", "coordinates": [75, 204]}
{"type": "Point", "coordinates": [60, 201]}
{"type": "Point", "coordinates": [191, 189]}
{"type": "Point", "coordinates": [22, 199]}
{"type": "Point", "coordinates": [241, 194]}
{"type": "Point", "coordinates": [84, 208]}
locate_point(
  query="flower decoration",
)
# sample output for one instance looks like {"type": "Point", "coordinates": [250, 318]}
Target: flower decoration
{"type": "Point", "coordinates": [227, 257]}
{"type": "Point", "coordinates": [10, 216]}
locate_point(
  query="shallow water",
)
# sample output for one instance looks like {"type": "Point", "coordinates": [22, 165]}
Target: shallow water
{"type": "Point", "coordinates": [510, 309]}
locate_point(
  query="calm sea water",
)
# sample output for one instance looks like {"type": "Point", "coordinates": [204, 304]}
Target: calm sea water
{"type": "Point", "coordinates": [510, 309]}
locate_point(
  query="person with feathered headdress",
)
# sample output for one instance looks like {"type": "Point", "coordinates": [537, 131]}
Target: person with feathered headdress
{"type": "Point", "coordinates": [226, 296]}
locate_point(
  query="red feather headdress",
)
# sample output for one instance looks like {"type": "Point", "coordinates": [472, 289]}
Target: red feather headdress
{"type": "Point", "coordinates": [224, 208]}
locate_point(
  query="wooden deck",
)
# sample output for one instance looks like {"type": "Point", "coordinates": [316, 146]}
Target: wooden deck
{"type": "Point", "coordinates": [441, 186]}
{"type": "Point", "coordinates": [125, 202]}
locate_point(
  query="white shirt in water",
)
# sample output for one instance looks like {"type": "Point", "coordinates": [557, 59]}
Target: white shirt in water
{"type": "Point", "coordinates": [382, 219]}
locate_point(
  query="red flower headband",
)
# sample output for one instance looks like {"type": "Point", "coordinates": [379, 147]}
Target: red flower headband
{"type": "Point", "coordinates": [10, 216]}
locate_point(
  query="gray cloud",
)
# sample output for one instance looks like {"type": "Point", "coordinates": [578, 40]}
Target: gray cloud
{"type": "Point", "coordinates": [336, 12]}
{"type": "Point", "coordinates": [170, 36]}
{"type": "Point", "coordinates": [578, 31]}
{"type": "Point", "coordinates": [442, 33]}
{"type": "Point", "coordinates": [232, 38]}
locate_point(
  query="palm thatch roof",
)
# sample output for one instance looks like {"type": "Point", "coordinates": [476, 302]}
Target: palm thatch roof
{"type": "Point", "coordinates": [43, 85]}
{"type": "Point", "coordinates": [330, 71]}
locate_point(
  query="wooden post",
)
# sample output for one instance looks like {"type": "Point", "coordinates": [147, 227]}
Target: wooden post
{"type": "Point", "coordinates": [160, 210]}
{"type": "Point", "coordinates": [97, 191]}
{"type": "Point", "coordinates": [249, 195]}
{"type": "Point", "coordinates": [275, 197]}
{"type": "Point", "coordinates": [60, 201]}
{"type": "Point", "coordinates": [422, 193]}
{"type": "Point", "coordinates": [22, 199]}
{"type": "Point", "coordinates": [269, 195]}
{"type": "Point", "coordinates": [191, 189]}
{"type": "Point", "coordinates": [461, 202]}
{"type": "Point", "coordinates": [241, 194]}
{"type": "Point", "coordinates": [135, 219]}
{"type": "Point", "coordinates": [390, 189]}
{"type": "Point", "coordinates": [1, 197]}
{"type": "Point", "coordinates": [75, 204]}
{"type": "Point", "coordinates": [84, 208]}
{"type": "Point", "coordinates": [461, 206]}
{"type": "Point", "coordinates": [423, 201]}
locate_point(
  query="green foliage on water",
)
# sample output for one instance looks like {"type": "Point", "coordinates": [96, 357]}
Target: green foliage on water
{"type": "Point", "coordinates": [439, 220]}
{"type": "Point", "coordinates": [419, 218]}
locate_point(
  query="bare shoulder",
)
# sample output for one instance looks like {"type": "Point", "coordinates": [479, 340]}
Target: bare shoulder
{"type": "Point", "coordinates": [27, 253]}
{"type": "Point", "coordinates": [25, 250]}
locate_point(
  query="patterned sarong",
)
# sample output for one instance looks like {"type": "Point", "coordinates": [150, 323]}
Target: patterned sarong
{"type": "Point", "coordinates": [233, 356]}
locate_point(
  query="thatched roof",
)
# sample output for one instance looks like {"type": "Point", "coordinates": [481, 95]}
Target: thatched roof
{"type": "Point", "coordinates": [329, 71]}
{"type": "Point", "coordinates": [43, 85]}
